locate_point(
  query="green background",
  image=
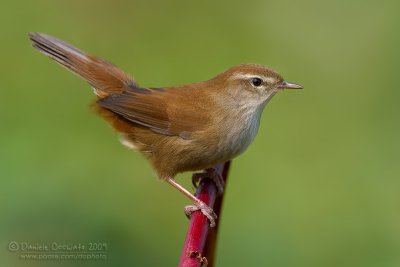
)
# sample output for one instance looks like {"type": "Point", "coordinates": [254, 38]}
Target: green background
{"type": "Point", "coordinates": [318, 187]}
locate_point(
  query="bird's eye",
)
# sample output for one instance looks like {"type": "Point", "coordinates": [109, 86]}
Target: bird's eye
{"type": "Point", "coordinates": [256, 82]}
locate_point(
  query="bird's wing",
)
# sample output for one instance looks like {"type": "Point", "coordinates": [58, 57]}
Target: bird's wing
{"type": "Point", "coordinates": [174, 111]}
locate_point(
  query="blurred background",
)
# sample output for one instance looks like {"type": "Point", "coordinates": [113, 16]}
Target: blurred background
{"type": "Point", "coordinates": [319, 186]}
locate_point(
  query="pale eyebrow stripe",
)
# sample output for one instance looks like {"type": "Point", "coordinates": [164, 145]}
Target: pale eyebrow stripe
{"type": "Point", "coordinates": [248, 76]}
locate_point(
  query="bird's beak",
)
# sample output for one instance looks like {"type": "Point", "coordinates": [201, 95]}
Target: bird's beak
{"type": "Point", "coordinates": [289, 85]}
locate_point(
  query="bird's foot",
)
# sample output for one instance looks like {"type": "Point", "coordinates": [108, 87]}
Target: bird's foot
{"type": "Point", "coordinates": [206, 210]}
{"type": "Point", "coordinates": [213, 175]}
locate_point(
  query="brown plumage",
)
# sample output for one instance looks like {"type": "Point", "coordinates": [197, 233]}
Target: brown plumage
{"type": "Point", "coordinates": [182, 128]}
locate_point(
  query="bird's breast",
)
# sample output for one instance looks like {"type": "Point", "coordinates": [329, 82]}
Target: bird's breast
{"type": "Point", "coordinates": [237, 131]}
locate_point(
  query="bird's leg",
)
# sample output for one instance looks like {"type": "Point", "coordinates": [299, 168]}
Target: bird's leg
{"type": "Point", "coordinates": [198, 204]}
{"type": "Point", "coordinates": [213, 175]}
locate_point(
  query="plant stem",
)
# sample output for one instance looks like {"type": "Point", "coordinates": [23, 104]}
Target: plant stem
{"type": "Point", "coordinates": [200, 244]}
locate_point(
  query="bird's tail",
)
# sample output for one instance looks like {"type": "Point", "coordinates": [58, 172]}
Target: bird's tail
{"type": "Point", "coordinates": [103, 76]}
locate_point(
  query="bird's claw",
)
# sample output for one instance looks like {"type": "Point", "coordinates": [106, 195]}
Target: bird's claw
{"type": "Point", "coordinates": [206, 210]}
{"type": "Point", "coordinates": [213, 175]}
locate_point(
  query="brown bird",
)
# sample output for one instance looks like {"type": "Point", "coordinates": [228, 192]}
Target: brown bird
{"type": "Point", "coordinates": [181, 128]}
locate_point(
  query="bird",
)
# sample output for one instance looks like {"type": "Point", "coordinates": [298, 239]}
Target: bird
{"type": "Point", "coordinates": [183, 128]}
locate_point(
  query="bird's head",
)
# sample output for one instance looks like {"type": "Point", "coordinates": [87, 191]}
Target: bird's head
{"type": "Point", "coordinates": [252, 83]}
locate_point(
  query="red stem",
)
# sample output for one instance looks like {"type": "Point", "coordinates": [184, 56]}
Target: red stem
{"type": "Point", "coordinates": [196, 252]}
